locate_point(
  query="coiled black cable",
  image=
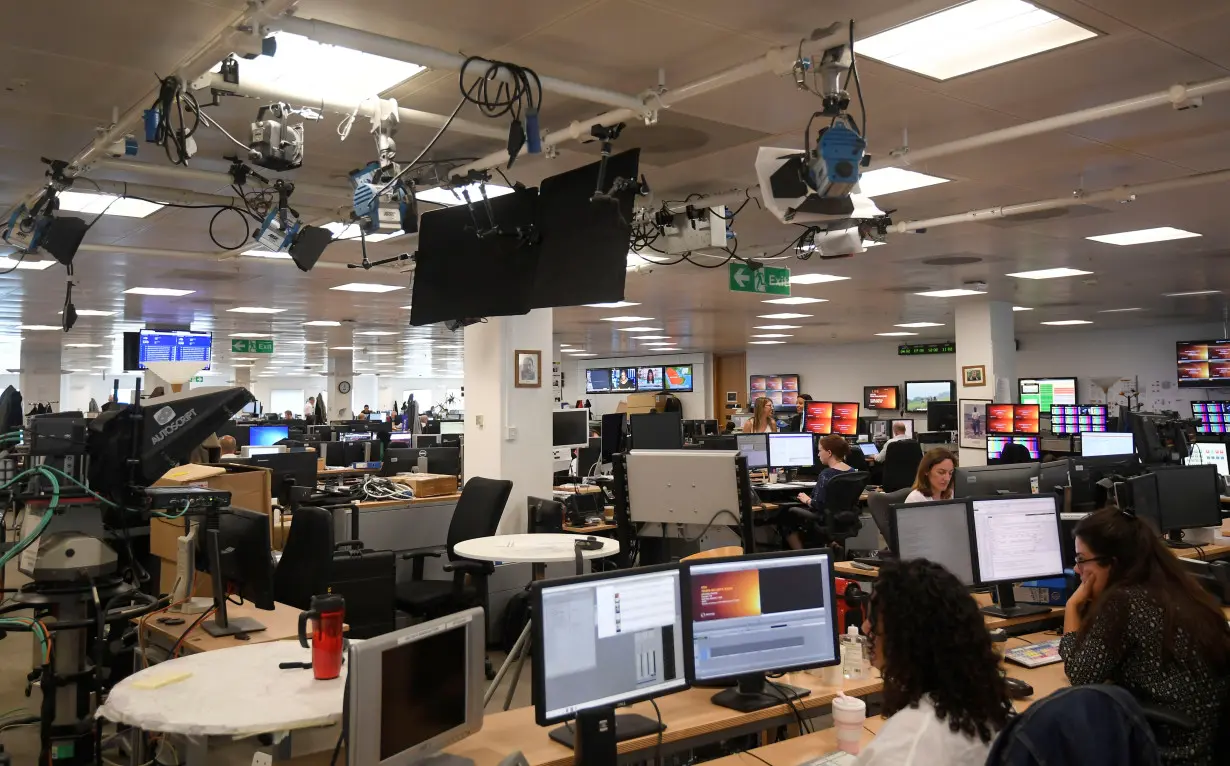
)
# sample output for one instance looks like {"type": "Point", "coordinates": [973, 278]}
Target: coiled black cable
{"type": "Point", "coordinates": [508, 97]}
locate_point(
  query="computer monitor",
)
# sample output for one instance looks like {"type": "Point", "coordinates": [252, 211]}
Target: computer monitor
{"type": "Point", "coordinates": [997, 442]}
{"type": "Point", "coordinates": [728, 442]}
{"type": "Point", "coordinates": [936, 531]}
{"type": "Point", "coordinates": [297, 468]}
{"type": "Point", "coordinates": [1187, 496]}
{"type": "Point", "coordinates": [869, 449]}
{"type": "Point", "coordinates": [919, 392]}
{"type": "Point", "coordinates": [1106, 444]}
{"type": "Point", "coordinates": [427, 440]}
{"type": "Point", "coordinates": [250, 451]}
{"type": "Point", "coordinates": [452, 427]}
{"type": "Point", "coordinates": [267, 436]}
{"type": "Point", "coordinates": [613, 431]}
{"type": "Point", "coordinates": [941, 416]}
{"type": "Point", "coordinates": [656, 430]}
{"type": "Point", "coordinates": [415, 691]}
{"type": "Point", "coordinates": [604, 640]}
{"type": "Point", "coordinates": [401, 436]}
{"type": "Point", "coordinates": [764, 613]}
{"type": "Point", "coordinates": [907, 423]}
{"type": "Point", "coordinates": [1075, 418]}
{"type": "Point", "coordinates": [241, 544]}
{"type": "Point", "coordinates": [398, 460]}
{"type": "Point", "coordinates": [982, 480]}
{"type": "Point", "coordinates": [791, 451]}
{"type": "Point", "coordinates": [1016, 538]}
{"type": "Point", "coordinates": [354, 436]}
{"type": "Point", "coordinates": [1053, 474]}
{"type": "Point", "coordinates": [445, 461]}
{"type": "Point", "coordinates": [756, 448]}
{"type": "Point", "coordinates": [1206, 453]}
{"type": "Point", "coordinates": [569, 428]}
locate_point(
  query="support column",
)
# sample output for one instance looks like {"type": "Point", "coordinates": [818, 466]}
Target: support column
{"type": "Point", "coordinates": [341, 370]}
{"type": "Point", "coordinates": [985, 336]}
{"type": "Point", "coordinates": [40, 377]}
{"type": "Point", "coordinates": [508, 428]}
{"type": "Point", "coordinates": [243, 378]}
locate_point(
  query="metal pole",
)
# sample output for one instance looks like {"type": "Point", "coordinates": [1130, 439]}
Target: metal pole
{"type": "Point", "coordinates": [210, 176]}
{"type": "Point", "coordinates": [168, 194]}
{"type": "Point", "coordinates": [198, 255]}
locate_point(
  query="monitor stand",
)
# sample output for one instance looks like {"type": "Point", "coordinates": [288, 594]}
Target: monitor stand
{"type": "Point", "coordinates": [627, 726]}
{"type": "Point", "coordinates": [221, 625]}
{"type": "Point", "coordinates": [755, 692]}
{"type": "Point", "coordinates": [1174, 539]}
{"type": "Point", "coordinates": [1007, 606]}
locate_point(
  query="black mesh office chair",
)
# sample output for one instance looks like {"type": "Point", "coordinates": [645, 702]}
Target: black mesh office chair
{"type": "Point", "coordinates": [901, 464]}
{"type": "Point", "coordinates": [303, 570]}
{"type": "Point", "coordinates": [877, 505]}
{"type": "Point", "coordinates": [841, 516]}
{"type": "Point", "coordinates": [1013, 454]}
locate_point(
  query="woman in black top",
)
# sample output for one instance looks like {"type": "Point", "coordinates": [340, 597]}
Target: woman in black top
{"type": "Point", "coordinates": [833, 451]}
{"type": "Point", "coordinates": [1140, 622]}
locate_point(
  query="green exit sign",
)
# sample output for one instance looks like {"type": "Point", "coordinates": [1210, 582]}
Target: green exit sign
{"type": "Point", "coordinates": [198, 379]}
{"type": "Point", "coordinates": [919, 349]}
{"type": "Point", "coordinates": [242, 346]}
{"type": "Point", "coordinates": [766, 280]}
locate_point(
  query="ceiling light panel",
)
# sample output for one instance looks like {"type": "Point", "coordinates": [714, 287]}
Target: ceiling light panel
{"type": "Point", "coordinates": [254, 310]}
{"type": "Point", "coordinates": [94, 203]}
{"type": "Point", "coordinates": [367, 287]}
{"type": "Point", "coordinates": [166, 292]}
{"type": "Point", "coordinates": [778, 327]}
{"type": "Point", "coordinates": [915, 325]}
{"type": "Point", "coordinates": [876, 183]}
{"type": "Point", "coordinates": [450, 197]}
{"type": "Point", "coordinates": [785, 315]}
{"type": "Point", "coordinates": [971, 36]}
{"type": "Point", "coordinates": [1144, 236]}
{"type": "Point", "coordinates": [795, 300]}
{"type": "Point", "coordinates": [322, 323]}
{"type": "Point", "coordinates": [615, 305]}
{"type": "Point", "coordinates": [955, 293]}
{"type": "Point", "coordinates": [1059, 273]}
{"type": "Point", "coordinates": [895, 334]}
{"type": "Point", "coordinates": [25, 264]}
{"type": "Point", "coordinates": [814, 279]}
{"type": "Point", "coordinates": [1067, 322]}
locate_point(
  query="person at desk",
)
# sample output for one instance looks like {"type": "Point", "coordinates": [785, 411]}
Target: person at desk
{"type": "Point", "coordinates": [800, 414]}
{"type": "Point", "coordinates": [288, 415]}
{"type": "Point", "coordinates": [366, 413]}
{"type": "Point", "coordinates": [832, 453]}
{"type": "Point", "coordinates": [944, 697]}
{"type": "Point", "coordinates": [898, 435]}
{"type": "Point", "coordinates": [934, 479]}
{"type": "Point", "coordinates": [763, 421]}
{"type": "Point", "coordinates": [228, 445]}
{"type": "Point", "coordinates": [1140, 622]}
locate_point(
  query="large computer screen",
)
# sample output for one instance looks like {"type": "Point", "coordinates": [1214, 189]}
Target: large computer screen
{"type": "Point", "coordinates": [1012, 418]}
{"type": "Point", "coordinates": [606, 639]}
{"type": "Point", "coordinates": [1016, 538]}
{"type": "Point", "coordinates": [1214, 417]}
{"type": "Point", "coordinates": [569, 428]}
{"type": "Point", "coordinates": [791, 451]}
{"type": "Point", "coordinates": [881, 397]}
{"type": "Point", "coordinates": [267, 436]}
{"type": "Point", "coordinates": [818, 418]}
{"type": "Point", "coordinates": [907, 423]}
{"type": "Point", "coordinates": [845, 418]}
{"type": "Point", "coordinates": [1203, 363]}
{"type": "Point", "coordinates": [938, 532]}
{"type": "Point", "coordinates": [175, 346]}
{"type": "Point", "coordinates": [918, 393]}
{"type": "Point", "coordinates": [656, 430]}
{"type": "Point", "coordinates": [1210, 454]}
{"type": "Point", "coordinates": [678, 378]}
{"type": "Point", "coordinates": [1045, 392]}
{"type": "Point", "coordinates": [623, 379]}
{"type": "Point", "coordinates": [760, 614]}
{"type": "Point", "coordinates": [613, 425]}
{"type": "Point", "coordinates": [756, 448]}
{"type": "Point", "coordinates": [997, 442]}
{"type": "Point", "coordinates": [453, 427]}
{"type": "Point", "coordinates": [1188, 496]}
{"type": "Point", "coordinates": [598, 380]}
{"type": "Point", "coordinates": [1104, 444]}
{"type": "Point", "coordinates": [650, 378]}
{"type": "Point", "coordinates": [1074, 418]}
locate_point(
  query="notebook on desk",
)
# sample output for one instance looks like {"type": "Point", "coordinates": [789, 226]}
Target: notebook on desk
{"type": "Point", "coordinates": [838, 758]}
{"type": "Point", "coordinates": [1035, 655]}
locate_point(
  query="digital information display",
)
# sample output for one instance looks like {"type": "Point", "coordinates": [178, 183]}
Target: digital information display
{"type": "Point", "coordinates": [880, 398]}
{"type": "Point", "coordinates": [1203, 363]}
{"type": "Point", "coordinates": [679, 378]}
{"type": "Point", "coordinates": [1012, 418]}
{"type": "Point", "coordinates": [1213, 416]}
{"type": "Point", "coordinates": [1074, 418]}
{"type": "Point", "coordinates": [175, 346]}
{"type": "Point", "coordinates": [1047, 392]}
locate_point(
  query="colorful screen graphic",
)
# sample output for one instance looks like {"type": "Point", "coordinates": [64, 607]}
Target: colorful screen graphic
{"type": "Point", "coordinates": [999, 418]}
{"type": "Point", "coordinates": [752, 592]}
{"type": "Point", "coordinates": [1203, 363]}
{"type": "Point", "coordinates": [1074, 418]}
{"type": "Point", "coordinates": [1025, 418]}
{"type": "Point", "coordinates": [782, 390]}
{"type": "Point", "coordinates": [845, 418]}
{"type": "Point", "coordinates": [818, 418]}
{"type": "Point", "coordinates": [650, 379]}
{"type": "Point", "coordinates": [880, 398]}
{"type": "Point", "coordinates": [679, 378]}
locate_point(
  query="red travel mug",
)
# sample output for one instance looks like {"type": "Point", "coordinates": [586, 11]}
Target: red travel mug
{"type": "Point", "coordinates": [327, 614]}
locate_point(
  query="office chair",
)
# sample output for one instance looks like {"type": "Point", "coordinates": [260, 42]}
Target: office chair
{"type": "Point", "coordinates": [1013, 454]}
{"type": "Point", "coordinates": [857, 460]}
{"type": "Point", "coordinates": [877, 505]}
{"type": "Point", "coordinates": [307, 556]}
{"type": "Point", "coordinates": [477, 514]}
{"type": "Point", "coordinates": [901, 464]}
{"type": "Point", "coordinates": [841, 517]}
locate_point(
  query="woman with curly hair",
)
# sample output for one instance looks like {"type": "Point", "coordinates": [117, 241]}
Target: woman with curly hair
{"type": "Point", "coordinates": [943, 692]}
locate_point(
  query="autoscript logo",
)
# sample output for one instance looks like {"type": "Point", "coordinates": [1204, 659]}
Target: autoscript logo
{"type": "Point", "coordinates": [174, 426]}
{"type": "Point", "coordinates": [164, 416]}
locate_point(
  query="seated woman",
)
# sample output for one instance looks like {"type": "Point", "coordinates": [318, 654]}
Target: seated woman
{"type": "Point", "coordinates": [832, 452]}
{"type": "Point", "coordinates": [1140, 622]}
{"type": "Point", "coordinates": [934, 479]}
{"type": "Point", "coordinates": [943, 693]}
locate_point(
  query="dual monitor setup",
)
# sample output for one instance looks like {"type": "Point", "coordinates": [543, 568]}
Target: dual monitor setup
{"type": "Point", "coordinates": [621, 637]}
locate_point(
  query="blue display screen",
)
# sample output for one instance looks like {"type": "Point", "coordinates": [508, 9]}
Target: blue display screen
{"type": "Point", "coordinates": [267, 436]}
{"type": "Point", "coordinates": [175, 346]}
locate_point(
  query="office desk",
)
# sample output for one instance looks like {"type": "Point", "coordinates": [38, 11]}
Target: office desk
{"type": "Point", "coordinates": [589, 530]}
{"type": "Point", "coordinates": [792, 751]}
{"type": "Point", "coordinates": [1218, 549]}
{"type": "Point", "coordinates": [691, 720]}
{"type": "Point", "coordinates": [280, 624]}
{"type": "Point", "coordinates": [341, 473]}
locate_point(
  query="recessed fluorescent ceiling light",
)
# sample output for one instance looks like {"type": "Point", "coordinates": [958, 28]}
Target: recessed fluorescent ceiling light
{"type": "Point", "coordinates": [94, 203]}
{"type": "Point", "coordinates": [814, 279]}
{"type": "Point", "coordinates": [795, 300]}
{"type": "Point", "coordinates": [250, 335]}
{"type": "Point", "coordinates": [90, 312]}
{"type": "Point", "coordinates": [920, 324]}
{"type": "Point", "coordinates": [1021, 308]}
{"type": "Point", "coordinates": [1119, 311]}
{"type": "Point", "coordinates": [875, 183]}
{"type": "Point", "coordinates": [895, 334]}
{"type": "Point", "coordinates": [955, 293]}
{"type": "Point", "coordinates": [773, 335]}
{"type": "Point", "coordinates": [39, 327]}
{"type": "Point", "coordinates": [1191, 293]}
{"type": "Point", "coordinates": [1066, 322]}
{"type": "Point", "coordinates": [971, 36]}
{"type": "Point", "coordinates": [82, 345]}
{"type": "Point", "coordinates": [659, 343]}
{"type": "Point", "coordinates": [254, 310]}
{"type": "Point", "coordinates": [26, 264]}
{"type": "Point", "coordinates": [346, 231]}
{"type": "Point", "coordinates": [307, 342]}
{"type": "Point", "coordinates": [784, 316]}
{"type": "Point", "coordinates": [259, 253]}
{"type": "Point", "coordinates": [328, 71]}
{"type": "Point", "coordinates": [1049, 273]}
{"type": "Point", "coordinates": [442, 196]}
{"type": "Point", "coordinates": [1143, 236]}
{"type": "Point", "coordinates": [342, 348]}
{"type": "Point", "coordinates": [640, 329]}
{"type": "Point", "coordinates": [418, 340]}
{"type": "Point", "coordinates": [381, 353]}
{"type": "Point", "coordinates": [778, 327]}
{"type": "Point", "coordinates": [585, 355]}
{"type": "Point", "coordinates": [168, 292]}
{"type": "Point", "coordinates": [243, 359]}
{"type": "Point", "coordinates": [376, 332]}
{"type": "Point", "coordinates": [626, 319]}
{"type": "Point", "coordinates": [635, 260]}
{"type": "Point", "coordinates": [766, 342]}
{"type": "Point", "coordinates": [322, 323]}
{"type": "Point", "coordinates": [615, 305]}
{"type": "Point", "coordinates": [651, 337]}
{"type": "Point", "coordinates": [367, 287]}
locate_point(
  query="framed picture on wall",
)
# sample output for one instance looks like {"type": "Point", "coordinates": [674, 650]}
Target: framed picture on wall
{"type": "Point", "coordinates": [527, 369]}
{"type": "Point", "coordinates": [974, 375]}
{"type": "Point", "coordinates": [973, 423]}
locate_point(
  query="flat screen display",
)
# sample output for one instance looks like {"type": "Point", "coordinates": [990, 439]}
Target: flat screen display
{"type": "Point", "coordinates": [782, 389]}
{"type": "Point", "coordinates": [175, 346]}
{"type": "Point", "coordinates": [1046, 392]}
{"type": "Point", "coordinates": [791, 451]}
{"type": "Point", "coordinates": [818, 418]}
{"type": "Point", "coordinates": [1016, 539]}
{"type": "Point", "coordinates": [432, 668]}
{"type": "Point", "coordinates": [1074, 418]}
{"type": "Point", "coordinates": [1000, 418]}
{"type": "Point", "coordinates": [881, 397]}
{"type": "Point", "coordinates": [1213, 416]}
{"type": "Point", "coordinates": [996, 444]}
{"type": "Point", "coordinates": [1025, 418]}
{"type": "Point", "coordinates": [1203, 363]}
{"type": "Point", "coordinates": [598, 380]}
{"type": "Point", "coordinates": [845, 418]}
{"type": "Point", "coordinates": [623, 379]}
{"type": "Point", "coordinates": [650, 378]}
{"type": "Point", "coordinates": [918, 393]}
{"type": "Point", "coordinates": [679, 378]}
{"type": "Point", "coordinates": [267, 436]}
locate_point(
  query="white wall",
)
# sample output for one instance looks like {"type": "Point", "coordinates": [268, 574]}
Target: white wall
{"type": "Point", "coordinates": [377, 391]}
{"type": "Point", "coordinates": [839, 372]}
{"type": "Point", "coordinates": [696, 405]}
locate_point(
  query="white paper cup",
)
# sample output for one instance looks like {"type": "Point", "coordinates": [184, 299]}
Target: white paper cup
{"type": "Point", "coordinates": [849, 714]}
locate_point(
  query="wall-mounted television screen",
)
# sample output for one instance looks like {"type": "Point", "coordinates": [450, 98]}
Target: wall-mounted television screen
{"type": "Point", "coordinates": [650, 379]}
{"type": "Point", "coordinates": [598, 380]}
{"type": "Point", "coordinates": [1046, 392]}
{"type": "Point", "coordinates": [623, 379]}
{"type": "Point", "coordinates": [918, 393]}
{"type": "Point", "coordinates": [1203, 363]}
{"type": "Point", "coordinates": [1074, 418]}
{"type": "Point", "coordinates": [174, 346]}
{"type": "Point", "coordinates": [678, 378]}
{"type": "Point", "coordinates": [1012, 418]}
{"type": "Point", "coordinates": [881, 397]}
{"type": "Point", "coordinates": [782, 390]}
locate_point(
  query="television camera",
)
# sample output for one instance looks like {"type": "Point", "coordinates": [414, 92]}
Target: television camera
{"type": "Point", "coordinates": [82, 485]}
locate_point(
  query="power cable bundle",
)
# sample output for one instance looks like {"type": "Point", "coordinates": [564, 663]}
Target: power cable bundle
{"type": "Point", "coordinates": [516, 98]}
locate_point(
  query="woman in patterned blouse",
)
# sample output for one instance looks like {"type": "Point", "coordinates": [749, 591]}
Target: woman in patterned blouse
{"type": "Point", "coordinates": [1139, 621]}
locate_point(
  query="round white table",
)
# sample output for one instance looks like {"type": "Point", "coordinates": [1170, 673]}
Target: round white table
{"type": "Point", "coordinates": [234, 692]}
{"type": "Point", "coordinates": [537, 549]}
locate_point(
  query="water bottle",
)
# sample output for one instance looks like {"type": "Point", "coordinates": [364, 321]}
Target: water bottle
{"type": "Point", "coordinates": [854, 662]}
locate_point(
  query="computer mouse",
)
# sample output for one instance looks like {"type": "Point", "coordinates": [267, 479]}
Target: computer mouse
{"type": "Point", "coordinates": [1018, 689]}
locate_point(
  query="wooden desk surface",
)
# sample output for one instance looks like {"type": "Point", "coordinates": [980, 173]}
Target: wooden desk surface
{"type": "Point", "coordinates": [376, 504]}
{"type": "Point", "coordinates": [688, 714]}
{"type": "Point", "coordinates": [791, 752]}
{"type": "Point", "coordinates": [589, 529]}
{"type": "Point", "coordinates": [1211, 551]}
{"type": "Point", "coordinates": [280, 624]}
{"type": "Point", "coordinates": [336, 472]}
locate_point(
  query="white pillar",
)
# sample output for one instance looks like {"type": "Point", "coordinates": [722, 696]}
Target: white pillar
{"type": "Point", "coordinates": [341, 370]}
{"type": "Point", "coordinates": [985, 338]}
{"type": "Point", "coordinates": [40, 377]}
{"type": "Point", "coordinates": [243, 378]}
{"type": "Point", "coordinates": [508, 429]}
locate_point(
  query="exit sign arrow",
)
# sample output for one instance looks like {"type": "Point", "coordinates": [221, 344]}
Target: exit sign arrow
{"type": "Point", "coordinates": [766, 280]}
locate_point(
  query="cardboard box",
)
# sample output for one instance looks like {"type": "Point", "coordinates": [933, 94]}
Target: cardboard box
{"type": "Point", "coordinates": [249, 487]}
{"type": "Point", "coordinates": [428, 484]}
{"type": "Point", "coordinates": [638, 404]}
